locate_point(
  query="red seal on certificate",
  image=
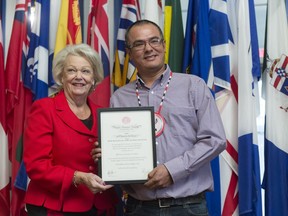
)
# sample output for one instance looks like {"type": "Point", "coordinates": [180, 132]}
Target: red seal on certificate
{"type": "Point", "coordinates": [126, 120]}
{"type": "Point", "coordinates": [159, 124]}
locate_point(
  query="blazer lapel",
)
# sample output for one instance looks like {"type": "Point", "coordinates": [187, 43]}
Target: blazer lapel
{"type": "Point", "coordinates": [64, 112]}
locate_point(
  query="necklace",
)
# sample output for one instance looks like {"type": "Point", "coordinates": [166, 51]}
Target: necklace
{"type": "Point", "coordinates": [159, 119]}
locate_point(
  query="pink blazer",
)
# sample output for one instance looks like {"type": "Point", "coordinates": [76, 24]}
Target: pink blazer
{"type": "Point", "coordinates": [56, 143]}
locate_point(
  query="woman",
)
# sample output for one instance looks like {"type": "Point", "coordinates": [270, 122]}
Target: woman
{"type": "Point", "coordinates": [58, 140]}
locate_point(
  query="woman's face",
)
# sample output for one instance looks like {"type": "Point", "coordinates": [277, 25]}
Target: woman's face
{"type": "Point", "coordinates": [78, 77]}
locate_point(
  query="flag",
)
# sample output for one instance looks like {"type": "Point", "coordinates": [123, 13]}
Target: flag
{"type": "Point", "coordinates": [227, 102]}
{"type": "Point", "coordinates": [18, 98]}
{"type": "Point", "coordinates": [173, 34]}
{"type": "Point", "coordinates": [55, 6]}
{"type": "Point", "coordinates": [218, 78]}
{"type": "Point", "coordinates": [190, 35]}
{"type": "Point", "coordinates": [124, 70]}
{"type": "Point", "coordinates": [98, 38]}
{"type": "Point", "coordinates": [201, 58]}
{"type": "Point", "coordinates": [35, 76]}
{"type": "Point", "coordinates": [197, 52]}
{"type": "Point", "coordinates": [36, 73]}
{"type": "Point", "coordinates": [239, 163]}
{"type": "Point", "coordinates": [117, 6]}
{"type": "Point", "coordinates": [4, 160]}
{"type": "Point", "coordinates": [153, 12]}
{"type": "Point", "coordinates": [69, 25]}
{"type": "Point", "coordinates": [256, 66]}
{"type": "Point", "coordinates": [197, 61]}
{"type": "Point", "coordinates": [218, 22]}
{"type": "Point", "coordinates": [64, 28]}
{"type": "Point", "coordinates": [276, 108]}
{"type": "Point", "coordinates": [250, 201]}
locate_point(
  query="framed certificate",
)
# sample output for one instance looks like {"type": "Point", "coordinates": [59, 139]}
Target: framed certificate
{"type": "Point", "coordinates": [127, 141]}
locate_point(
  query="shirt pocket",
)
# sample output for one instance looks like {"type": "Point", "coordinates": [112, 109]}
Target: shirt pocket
{"type": "Point", "coordinates": [181, 121]}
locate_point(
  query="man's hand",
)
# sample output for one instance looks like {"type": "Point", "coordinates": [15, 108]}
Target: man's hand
{"type": "Point", "coordinates": [96, 152]}
{"type": "Point", "coordinates": [159, 177]}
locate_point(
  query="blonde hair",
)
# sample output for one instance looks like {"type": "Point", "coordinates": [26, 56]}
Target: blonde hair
{"type": "Point", "coordinates": [82, 50]}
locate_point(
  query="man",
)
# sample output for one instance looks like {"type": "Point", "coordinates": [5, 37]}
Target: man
{"type": "Point", "coordinates": [189, 131]}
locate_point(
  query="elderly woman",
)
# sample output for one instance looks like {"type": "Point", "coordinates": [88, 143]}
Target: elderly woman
{"type": "Point", "coordinates": [59, 136]}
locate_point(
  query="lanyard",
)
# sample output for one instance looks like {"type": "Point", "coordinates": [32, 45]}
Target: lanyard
{"type": "Point", "coordinates": [163, 96]}
{"type": "Point", "coordinates": [159, 120]}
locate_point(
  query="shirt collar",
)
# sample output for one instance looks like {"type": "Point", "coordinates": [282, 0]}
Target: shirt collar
{"type": "Point", "coordinates": [162, 79]}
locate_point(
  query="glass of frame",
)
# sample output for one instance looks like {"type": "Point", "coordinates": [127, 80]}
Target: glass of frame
{"type": "Point", "coordinates": [127, 141]}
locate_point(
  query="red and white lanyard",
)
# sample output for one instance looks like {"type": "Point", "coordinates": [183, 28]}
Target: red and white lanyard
{"type": "Point", "coordinates": [159, 120]}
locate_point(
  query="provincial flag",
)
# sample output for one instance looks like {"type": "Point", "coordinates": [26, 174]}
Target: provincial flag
{"type": "Point", "coordinates": [173, 34]}
{"type": "Point", "coordinates": [239, 163]}
{"type": "Point", "coordinates": [18, 98]}
{"type": "Point", "coordinates": [190, 35]}
{"type": "Point", "coordinates": [4, 156]}
{"type": "Point", "coordinates": [55, 7]}
{"type": "Point", "coordinates": [276, 148]}
{"type": "Point", "coordinates": [220, 36]}
{"type": "Point", "coordinates": [36, 74]}
{"type": "Point", "coordinates": [35, 77]}
{"type": "Point", "coordinates": [124, 70]}
{"type": "Point", "coordinates": [197, 52]}
{"type": "Point", "coordinates": [153, 12]}
{"type": "Point", "coordinates": [250, 200]}
{"type": "Point", "coordinates": [256, 66]}
{"type": "Point", "coordinates": [69, 25]}
{"type": "Point", "coordinates": [197, 61]}
{"type": "Point", "coordinates": [276, 107]}
{"type": "Point", "coordinates": [98, 38]}
{"type": "Point", "coordinates": [227, 102]}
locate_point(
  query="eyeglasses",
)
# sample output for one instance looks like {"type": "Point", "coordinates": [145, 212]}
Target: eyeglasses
{"type": "Point", "coordinates": [73, 71]}
{"type": "Point", "coordinates": [141, 44]}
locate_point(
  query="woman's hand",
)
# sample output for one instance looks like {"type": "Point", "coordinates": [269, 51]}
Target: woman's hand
{"type": "Point", "coordinates": [93, 182]}
{"type": "Point", "coordinates": [96, 152]}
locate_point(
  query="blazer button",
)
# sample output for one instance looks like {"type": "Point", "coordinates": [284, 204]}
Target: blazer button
{"type": "Point", "coordinates": [91, 168]}
{"type": "Point", "coordinates": [91, 140]}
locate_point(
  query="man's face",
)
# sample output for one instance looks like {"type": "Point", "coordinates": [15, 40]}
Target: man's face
{"type": "Point", "coordinates": [147, 48]}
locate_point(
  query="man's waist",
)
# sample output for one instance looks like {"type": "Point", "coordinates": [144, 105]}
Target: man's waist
{"type": "Point", "coordinates": [167, 202]}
